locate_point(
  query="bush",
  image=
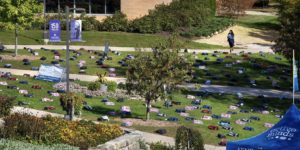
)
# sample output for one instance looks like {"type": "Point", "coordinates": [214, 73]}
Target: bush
{"type": "Point", "coordinates": [214, 25]}
{"type": "Point", "coordinates": [14, 145]}
{"type": "Point", "coordinates": [49, 130]}
{"type": "Point", "coordinates": [111, 86]}
{"type": "Point", "coordinates": [89, 22]}
{"type": "Point", "coordinates": [118, 22]}
{"type": "Point", "coordinates": [187, 138]}
{"type": "Point", "coordinates": [177, 15]}
{"type": "Point", "coordinates": [71, 99]}
{"type": "Point", "coordinates": [6, 104]}
{"type": "Point", "coordinates": [94, 86]}
{"type": "Point", "coordinates": [160, 146]}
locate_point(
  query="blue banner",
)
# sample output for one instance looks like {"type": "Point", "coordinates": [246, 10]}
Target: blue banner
{"type": "Point", "coordinates": [54, 31]}
{"type": "Point", "coordinates": [295, 74]}
{"type": "Point", "coordinates": [76, 30]}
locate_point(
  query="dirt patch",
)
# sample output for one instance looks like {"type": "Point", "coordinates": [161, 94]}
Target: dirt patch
{"type": "Point", "coordinates": [19, 57]}
{"type": "Point", "coordinates": [156, 123]}
{"type": "Point", "coordinates": [243, 37]}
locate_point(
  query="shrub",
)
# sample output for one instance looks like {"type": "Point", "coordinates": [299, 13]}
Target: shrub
{"type": "Point", "coordinates": [14, 145]}
{"type": "Point", "coordinates": [6, 104]}
{"type": "Point", "coordinates": [160, 146]}
{"type": "Point", "coordinates": [50, 130]}
{"type": "Point", "coordinates": [90, 23]}
{"type": "Point", "coordinates": [22, 126]}
{"type": "Point", "coordinates": [187, 138]}
{"type": "Point", "coordinates": [111, 86]}
{"type": "Point", "coordinates": [214, 25]}
{"type": "Point", "coordinates": [71, 99]}
{"type": "Point", "coordinates": [178, 14]}
{"type": "Point", "coordinates": [118, 22]}
{"type": "Point", "coordinates": [94, 86]}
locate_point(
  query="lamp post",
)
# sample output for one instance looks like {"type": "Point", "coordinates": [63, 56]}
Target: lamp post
{"type": "Point", "coordinates": [45, 31]}
{"type": "Point", "coordinates": [71, 111]}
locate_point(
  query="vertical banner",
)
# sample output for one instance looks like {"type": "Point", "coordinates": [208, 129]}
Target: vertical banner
{"type": "Point", "coordinates": [54, 31]}
{"type": "Point", "coordinates": [76, 30]}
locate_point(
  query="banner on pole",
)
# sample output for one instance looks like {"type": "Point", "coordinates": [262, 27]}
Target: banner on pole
{"type": "Point", "coordinates": [295, 75]}
{"type": "Point", "coordinates": [54, 31]}
{"type": "Point", "coordinates": [76, 30]}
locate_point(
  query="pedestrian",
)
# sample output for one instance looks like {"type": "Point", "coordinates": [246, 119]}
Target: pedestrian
{"type": "Point", "coordinates": [230, 39]}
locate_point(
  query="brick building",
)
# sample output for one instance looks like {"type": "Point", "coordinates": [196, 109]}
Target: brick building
{"type": "Point", "coordinates": [103, 8]}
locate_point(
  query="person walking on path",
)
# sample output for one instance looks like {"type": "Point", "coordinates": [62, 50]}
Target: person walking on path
{"type": "Point", "coordinates": [230, 39]}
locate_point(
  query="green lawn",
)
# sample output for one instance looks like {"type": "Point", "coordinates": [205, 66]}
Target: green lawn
{"type": "Point", "coordinates": [219, 103]}
{"type": "Point", "coordinates": [259, 22]}
{"type": "Point", "coordinates": [96, 38]}
{"type": "Point", "coordinates": [215, 70]}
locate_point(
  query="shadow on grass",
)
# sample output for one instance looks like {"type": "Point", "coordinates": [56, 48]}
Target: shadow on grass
{"type": "Point", "coordinates": [98, 110]}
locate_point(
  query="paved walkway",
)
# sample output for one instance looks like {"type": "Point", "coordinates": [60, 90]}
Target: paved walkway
{"type": "Point", "coordinates": [259, 13]}
{"type": "Point", "coordinates": [210, 88]}
{"type": "Point", "coordinates": [101, 48]}
{"type": "Point", "coordinates": [148, 137]}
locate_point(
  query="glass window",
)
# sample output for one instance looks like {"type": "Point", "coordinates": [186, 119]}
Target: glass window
{"type": "Point", "coordinates": [112, 6]}
{"type": "Point", "coordinates": [51, 6]}
{"type": "Point", "coordinates": [98, 6]}
{"type": "Point", "coordinates": [83, 4]}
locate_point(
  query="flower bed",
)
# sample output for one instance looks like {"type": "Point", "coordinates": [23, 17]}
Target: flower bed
{"type": "Point", "coordinates": [50, 130]}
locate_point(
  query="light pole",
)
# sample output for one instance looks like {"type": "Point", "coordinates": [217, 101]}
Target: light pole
{"type": "Point", "coordinates": [45, 31]}
{"type": "Point", "coordinates": [71, 109]}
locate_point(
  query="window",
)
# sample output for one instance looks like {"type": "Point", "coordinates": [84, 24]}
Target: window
{"type": "Point", "coordinates": [112, 6]}
{"type": "Point", "coordinates": [83, 4]}
{"type": "Point", "coordinates": [90, 6]}
{"type": "Point", "coordinates": [51, 6]}
{"type": "Point", "coordinates": [98, 6]}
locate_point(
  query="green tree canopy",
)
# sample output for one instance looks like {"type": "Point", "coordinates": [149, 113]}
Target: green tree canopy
{"type": "Point", "coordinates": [18, 15]}
{"type": "Point", "coordinates": [20, 12]}
{"type": "Point", "coordinates": [149, 72]}
{"type": "Point", "coordinates": [289, 16]}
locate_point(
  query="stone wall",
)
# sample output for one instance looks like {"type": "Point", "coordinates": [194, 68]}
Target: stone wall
{"type": "Point", "coordinates": [130, 141]}
{"type": "Point", "coordinates": [138, 8]}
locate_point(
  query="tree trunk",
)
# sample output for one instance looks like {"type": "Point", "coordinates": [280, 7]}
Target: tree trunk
{"type": "Point", "coordinates": [147, 109]}
{"type": "Point", "coordinates": [16, 40]}
{"type": "Point", "coordinates": [72, 113]}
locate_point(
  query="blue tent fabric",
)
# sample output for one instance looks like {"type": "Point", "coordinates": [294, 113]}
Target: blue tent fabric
{"type": "Point", "coordinates": [285, 135]}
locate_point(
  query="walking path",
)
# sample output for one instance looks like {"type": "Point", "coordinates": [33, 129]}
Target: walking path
{"type": "Point", "coordinates": [101, 48]}
{"type": "Point", "coordinates": [148, 137]}
{"type": "Point", "coordinates": [259, 13]}
{"type": "Point", "coordinates": [209, 88]}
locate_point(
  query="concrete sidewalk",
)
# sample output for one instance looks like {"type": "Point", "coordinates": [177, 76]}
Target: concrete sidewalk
{"type": "Point", "coordinates": [87, 78]}
{"type": "Point", "coordinates": [101, 48]}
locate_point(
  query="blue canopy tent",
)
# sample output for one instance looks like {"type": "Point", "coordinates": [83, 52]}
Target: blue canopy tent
{"type": "Point", "coordinates": [285, 135]}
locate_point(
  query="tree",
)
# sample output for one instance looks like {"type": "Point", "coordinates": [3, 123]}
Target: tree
{"type": "Point", "coordinates": [72, 104]}
{"type": "Point", "coordinates": [233, 8]}
{"type": "Point", "coordinates": [187, 138]}
{"type": "Point", "coordinates": [18, 15]}
{"type": "Point", "coordinates": [149, 72]}
{"type": "Point", "coordinates": [289, 36]}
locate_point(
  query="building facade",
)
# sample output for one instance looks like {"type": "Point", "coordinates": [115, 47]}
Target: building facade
{"type": "Point", "coordinates": [103, 8]}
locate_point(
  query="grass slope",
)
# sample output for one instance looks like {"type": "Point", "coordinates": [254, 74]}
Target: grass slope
{"type": "Point", "coordinates": [96, 38]}
{"type": "Point", "coordinates": [259, 22]}
{"type": "Point", "coordinates": [220, 104]}
{"type": "Point", "coordinates": [215, 70]}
